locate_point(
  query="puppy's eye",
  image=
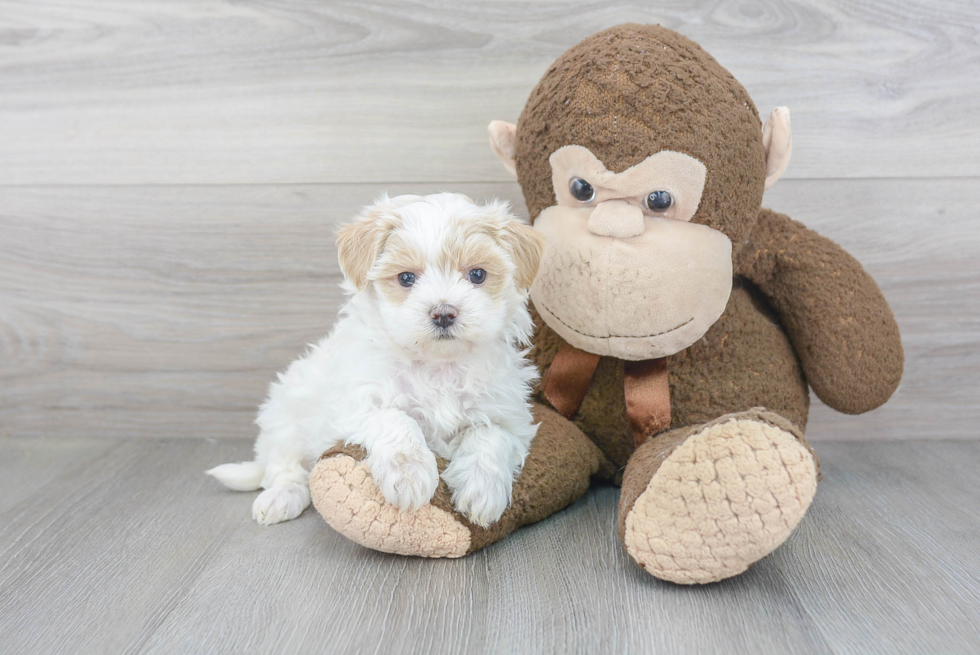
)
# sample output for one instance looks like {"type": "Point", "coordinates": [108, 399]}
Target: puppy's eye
{"type": "Point", "coordinates": [659, 201]}
{"type": "Point", "coordinates": [581, 190]}
{"type": "Point", "coordinates": [478, 276]}
{"type": "Point", "coordinates": [406, 279]}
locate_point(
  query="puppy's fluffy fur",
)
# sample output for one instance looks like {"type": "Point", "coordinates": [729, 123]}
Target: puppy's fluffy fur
{"type": "Point", "coordinates": [412, 371]}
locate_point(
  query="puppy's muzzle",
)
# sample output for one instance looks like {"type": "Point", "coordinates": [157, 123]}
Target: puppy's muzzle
{"type": "Point", "coordinates": [443, 315]}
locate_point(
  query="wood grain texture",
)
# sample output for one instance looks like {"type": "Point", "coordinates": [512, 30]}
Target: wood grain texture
{"type": "Point", "coordinates": [166, 311]}
{"type": "Point", "coordinates": [170, 178]}
{"type": "Point", "coordinates": [303, 91]}
{"type": "Point", "coordinates": [925, 261]}
{"type": "Point", "coordinates": [128, 548]}
{"type": "Point", "coordinates": [880, 508]}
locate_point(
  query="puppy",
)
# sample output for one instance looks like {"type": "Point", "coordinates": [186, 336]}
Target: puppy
{"type": "Point", "coordinates": [426, 359]}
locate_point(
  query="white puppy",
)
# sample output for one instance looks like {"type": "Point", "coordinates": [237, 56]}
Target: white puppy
{"type": "Point", "coordinates": [427, 359]}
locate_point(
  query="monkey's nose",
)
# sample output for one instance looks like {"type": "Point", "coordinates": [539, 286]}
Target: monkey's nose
{"type": "Point", "coordinates": [616, 218]}
{"type": "Point", "coordinates": [443, 315]}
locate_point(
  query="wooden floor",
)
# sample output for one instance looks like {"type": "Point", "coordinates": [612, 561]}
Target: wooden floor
{"type": "Point", "coordinates": [124, 546]}
{"type": "Point", "coordinates": [171, 174]}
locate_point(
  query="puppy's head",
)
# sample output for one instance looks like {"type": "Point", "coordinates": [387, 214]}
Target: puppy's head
{"type": "Point", "coordinates": [446, 274]}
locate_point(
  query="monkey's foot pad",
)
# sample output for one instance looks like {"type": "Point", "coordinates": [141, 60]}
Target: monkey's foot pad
{"type": "Point", "coordinates": [348, 499]}
{"type": "Point", "coordinates": [725, 498]}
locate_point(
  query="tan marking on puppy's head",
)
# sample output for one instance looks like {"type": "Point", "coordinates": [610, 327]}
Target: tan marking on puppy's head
{"type": "Point", "coordinates": [526, 247]}
{"type": "Point", "coordinates": [471, 246]}
{"type": "Point", "coordinates": [522, 246]}
{"type": "Point", "coordinates": [496, 243]}
{"type": "Point", "coordinates": [400, 256]}
{"type": "Point", "coordinates": [360, 243]}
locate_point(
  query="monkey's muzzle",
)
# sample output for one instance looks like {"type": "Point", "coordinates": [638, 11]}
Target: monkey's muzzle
{"type": "Point", "coordinates": [644, 296]}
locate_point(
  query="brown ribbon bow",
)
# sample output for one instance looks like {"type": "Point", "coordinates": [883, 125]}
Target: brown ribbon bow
{"type": "Point", "coordinates": [645, 386]}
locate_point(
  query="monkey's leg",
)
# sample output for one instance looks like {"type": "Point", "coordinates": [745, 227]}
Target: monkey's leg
{"type": "Point", "coordinates": [704, 502]}
{"type": "Point", "coordinates": [558, 469]}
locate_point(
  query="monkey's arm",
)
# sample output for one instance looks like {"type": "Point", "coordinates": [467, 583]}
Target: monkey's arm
{"type": "Point", "coordinates": [835, 315]}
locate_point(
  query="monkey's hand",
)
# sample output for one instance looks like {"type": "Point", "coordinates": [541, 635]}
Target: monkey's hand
{"type": "Point", "coordinates": [840, 324]}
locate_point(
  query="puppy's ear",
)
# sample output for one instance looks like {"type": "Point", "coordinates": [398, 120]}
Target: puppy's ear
{"type": "Point", "coordinates": [359, 244]}
{"type": "Point", "coordinates": [526, 246]}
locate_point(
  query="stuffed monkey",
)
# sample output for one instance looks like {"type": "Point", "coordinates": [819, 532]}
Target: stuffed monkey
{"type": "Point", "coordinates": [679, 324]}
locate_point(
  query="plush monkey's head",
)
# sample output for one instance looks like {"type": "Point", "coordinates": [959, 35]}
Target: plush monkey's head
{"type": "Point", "coordinates": [643, 162]}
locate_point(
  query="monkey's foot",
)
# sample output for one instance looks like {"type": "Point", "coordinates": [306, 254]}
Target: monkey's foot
{"type": "Point", "coordinates": [348, 499]}
{"type": "Point", "coordinates": [703, 503]}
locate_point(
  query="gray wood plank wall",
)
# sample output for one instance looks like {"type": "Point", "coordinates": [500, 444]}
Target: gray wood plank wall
{"type": "Point", "coordinates": [171, 175]}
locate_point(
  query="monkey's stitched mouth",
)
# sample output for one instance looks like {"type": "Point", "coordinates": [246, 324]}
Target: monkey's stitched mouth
{"type": "Point", "coordinates": [615, 336]}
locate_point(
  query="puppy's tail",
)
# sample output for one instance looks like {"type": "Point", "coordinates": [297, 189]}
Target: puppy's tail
{"type": "Point", "coordinates": [244, 476]}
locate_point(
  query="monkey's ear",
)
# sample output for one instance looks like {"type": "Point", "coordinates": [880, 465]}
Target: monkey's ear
{"type": "Point", "coordinates": [359, 243]}
{"type": "Point", "coordinates": [777, 139]}
{"type": "Point", "coordinates": [526, 246]}
{"type": "Point", "coordinates": [503, 140]}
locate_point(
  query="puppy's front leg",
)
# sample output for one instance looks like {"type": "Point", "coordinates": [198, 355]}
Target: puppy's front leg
{"type": "Point", "coordinates": [482, 471]}
{"type": "Point", "coordinates": [401, 463]}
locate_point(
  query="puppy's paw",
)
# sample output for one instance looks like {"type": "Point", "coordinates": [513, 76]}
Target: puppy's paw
{"type": "Point", "coordinates": [480, 493]}
{"type": "Point", "coordinates": [280, 503]}
{"type": "Point", "coordinates": [407, 477]}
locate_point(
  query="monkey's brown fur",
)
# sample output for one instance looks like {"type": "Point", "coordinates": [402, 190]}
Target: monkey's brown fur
{"type": "Point", "coordinates": [802, 311]}
{"type": "Point", "coordinates": [633, 90]}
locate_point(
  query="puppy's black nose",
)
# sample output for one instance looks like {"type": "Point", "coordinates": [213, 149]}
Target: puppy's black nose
{"type": "Point", "coordinates": [443, 315]}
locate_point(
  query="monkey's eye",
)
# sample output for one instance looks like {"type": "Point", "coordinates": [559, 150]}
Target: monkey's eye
{"type": "Point", "coordinates": [406, 279]}
{"type": "Point", "coordinates": [581, 190]}
{"type": "Point", "coordinates": [478, 276]}
{"type": "Point", "coordinates": [659, 201]}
